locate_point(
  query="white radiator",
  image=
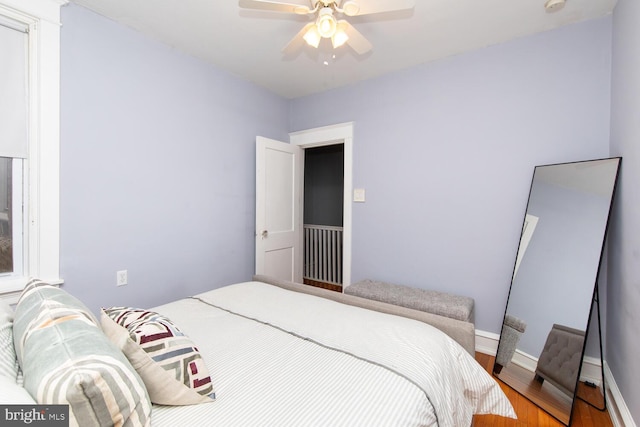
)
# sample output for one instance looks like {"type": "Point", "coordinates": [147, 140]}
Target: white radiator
{"type": "Point", "coordinates": [323, 253]}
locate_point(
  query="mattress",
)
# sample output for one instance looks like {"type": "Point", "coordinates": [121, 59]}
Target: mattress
{"type": "Point", "coordinates": [282, 358]}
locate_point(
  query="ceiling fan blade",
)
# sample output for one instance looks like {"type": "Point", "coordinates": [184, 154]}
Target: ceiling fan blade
{"type": "Point", "coordinates": [274, 6]}
{"type": "Point", "coordinates": [356, 40]}
{"type": "Point", "coordinates": [297, 42]}
{"type": "Point", "coordinates": [367, 7]}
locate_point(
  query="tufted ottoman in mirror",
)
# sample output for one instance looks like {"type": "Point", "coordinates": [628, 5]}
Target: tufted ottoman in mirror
{"type": "Point", "coordinates": [560, 359]}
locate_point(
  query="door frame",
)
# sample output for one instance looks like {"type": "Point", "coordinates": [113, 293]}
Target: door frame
{"type": "Point", "coordinates": [341, 133]}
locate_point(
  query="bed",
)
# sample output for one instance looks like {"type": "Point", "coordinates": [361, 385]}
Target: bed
{"type": "Point", "coordinates": [258, 353]}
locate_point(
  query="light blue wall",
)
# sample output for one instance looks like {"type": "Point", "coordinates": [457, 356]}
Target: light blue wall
{"type": "Point", "coordinates": [446, 152]}
{"type": "Point", "coordinates": [623, 299]}
{"type": "Point", "coordinates": [157, 166]}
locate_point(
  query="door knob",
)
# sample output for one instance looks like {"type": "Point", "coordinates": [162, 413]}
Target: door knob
{"type": "Point", "coordinates": [265, 234]}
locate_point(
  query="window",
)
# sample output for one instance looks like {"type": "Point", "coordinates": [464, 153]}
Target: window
{"type": "Point", "coordinates": [11, 218]}
{"type": "Point", "coordinates": [29, 142]}
{"type": "Point", "coordinates": [14, 141]}
{"type": "Point", "coordinates": [6, 235]}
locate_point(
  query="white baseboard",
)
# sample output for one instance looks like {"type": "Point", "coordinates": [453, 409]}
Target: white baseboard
{"type": "Point", "coordinates": [618, 410]}
{"type": "Point", "coordinates": [487, 343]}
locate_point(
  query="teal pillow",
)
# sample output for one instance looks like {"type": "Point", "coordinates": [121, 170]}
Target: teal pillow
{"type": "Point", "coordinates": [66, 359]}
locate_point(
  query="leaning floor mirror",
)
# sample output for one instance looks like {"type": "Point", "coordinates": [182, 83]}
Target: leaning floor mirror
{"type": "Point", "coordinates": [554, 284]}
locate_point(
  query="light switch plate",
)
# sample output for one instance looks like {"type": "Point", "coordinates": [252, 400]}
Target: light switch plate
{"type": "Point", "coordinates": [358, 195]}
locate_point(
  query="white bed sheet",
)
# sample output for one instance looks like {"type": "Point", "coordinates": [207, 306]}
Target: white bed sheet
{"type": "Point", "coordinates": [282, 358]}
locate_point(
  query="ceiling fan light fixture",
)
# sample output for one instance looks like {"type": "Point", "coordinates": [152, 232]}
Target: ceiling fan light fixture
{"type": "Point", "coordinates": [350, 8]}
{"type": "Point", "coordinates": [340, 37]}
{"type": "Point", "coordinates": [326, 22]}
{"type": "Point", "coordinates": [554, 5]}
{"type": "Point", "coordinates": [301, 10]}
{"type": "Point", "coordinates": [312, 36]}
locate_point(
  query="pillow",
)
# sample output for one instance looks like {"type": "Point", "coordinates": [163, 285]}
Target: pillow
{"type": "Point", "coordinates": [167, 360]}
{"type": "Point", "coordinates": [8, 358]}
{"type": "Point", "coordinates": [66, 359]}
{"type": "Point", "coordinates": [12, 394]}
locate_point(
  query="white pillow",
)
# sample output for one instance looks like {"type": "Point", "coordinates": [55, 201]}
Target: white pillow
{"type": "Point", "coordinates": [12, 394]}
{"type": "Point", "coordinates": [8, 359]}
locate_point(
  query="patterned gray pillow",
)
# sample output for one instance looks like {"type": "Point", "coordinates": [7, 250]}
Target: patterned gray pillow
{"type": "Point", "coordinates": [66, 359]}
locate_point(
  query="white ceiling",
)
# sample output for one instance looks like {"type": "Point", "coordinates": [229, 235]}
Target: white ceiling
{"type": "Point", "coordinates": [249, 43]}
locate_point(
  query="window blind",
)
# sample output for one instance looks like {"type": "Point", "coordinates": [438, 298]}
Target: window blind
{"type": "Point", "coordinates": [14, 128]}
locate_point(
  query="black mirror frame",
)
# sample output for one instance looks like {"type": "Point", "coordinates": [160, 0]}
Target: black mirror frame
{"type": "Point", "coordinates": [595, 300]}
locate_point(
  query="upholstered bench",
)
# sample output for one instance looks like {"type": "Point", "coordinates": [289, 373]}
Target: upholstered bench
{"type": "Point", "coordinates": [441, 303]}
{"type": "Point", "coordinates": [512, 329]}
{"type": "Point", "coordinates": [560, 359]}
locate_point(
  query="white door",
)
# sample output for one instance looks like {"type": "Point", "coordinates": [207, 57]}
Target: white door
{"type": "Point", "coordinates": [279, 209]}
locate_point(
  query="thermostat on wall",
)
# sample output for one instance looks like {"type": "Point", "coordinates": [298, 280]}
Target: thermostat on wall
{"type": "Point", "coordinates": [358, 195]}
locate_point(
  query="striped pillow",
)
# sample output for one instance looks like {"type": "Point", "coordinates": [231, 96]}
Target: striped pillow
{"type": "Point", "coordinates": [166, 359]}
{"type": "Point", "coordinates": [66, 359]}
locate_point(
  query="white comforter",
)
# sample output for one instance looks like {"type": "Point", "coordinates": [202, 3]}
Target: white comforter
{"type": "Point", "coordinates": [282, 358]}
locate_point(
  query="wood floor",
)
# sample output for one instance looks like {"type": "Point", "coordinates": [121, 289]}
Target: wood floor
{"type": "Point", "coordinates": [530, 415]}
{"type": "Point", "coordinates": [330, 286]}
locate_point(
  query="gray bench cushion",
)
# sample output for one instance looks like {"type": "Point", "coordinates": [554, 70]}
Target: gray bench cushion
{"type": "Point", "coordinates": [441, 303]}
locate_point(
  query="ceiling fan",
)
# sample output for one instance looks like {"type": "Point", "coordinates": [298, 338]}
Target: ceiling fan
{"type": "Point", "coordinates": [326, 23]}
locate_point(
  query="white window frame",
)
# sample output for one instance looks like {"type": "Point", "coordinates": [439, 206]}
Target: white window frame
{"type": "Point", "coordinates": [42, 234]}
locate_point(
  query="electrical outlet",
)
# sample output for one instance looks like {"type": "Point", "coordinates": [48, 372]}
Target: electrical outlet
{"type": "Point", "coordinates": [121, 278]}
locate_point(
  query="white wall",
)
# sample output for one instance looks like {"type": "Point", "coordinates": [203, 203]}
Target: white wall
{"type": "Point", "coordinates": [157, 166]}
{"type": "Point", "coordinates": [623, 299]}
{"type": "Point", "coordinates": [446, 152]}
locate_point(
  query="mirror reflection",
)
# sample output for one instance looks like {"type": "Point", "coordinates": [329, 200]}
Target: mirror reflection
{"type": "Point", "coordinates": [542, 341]}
